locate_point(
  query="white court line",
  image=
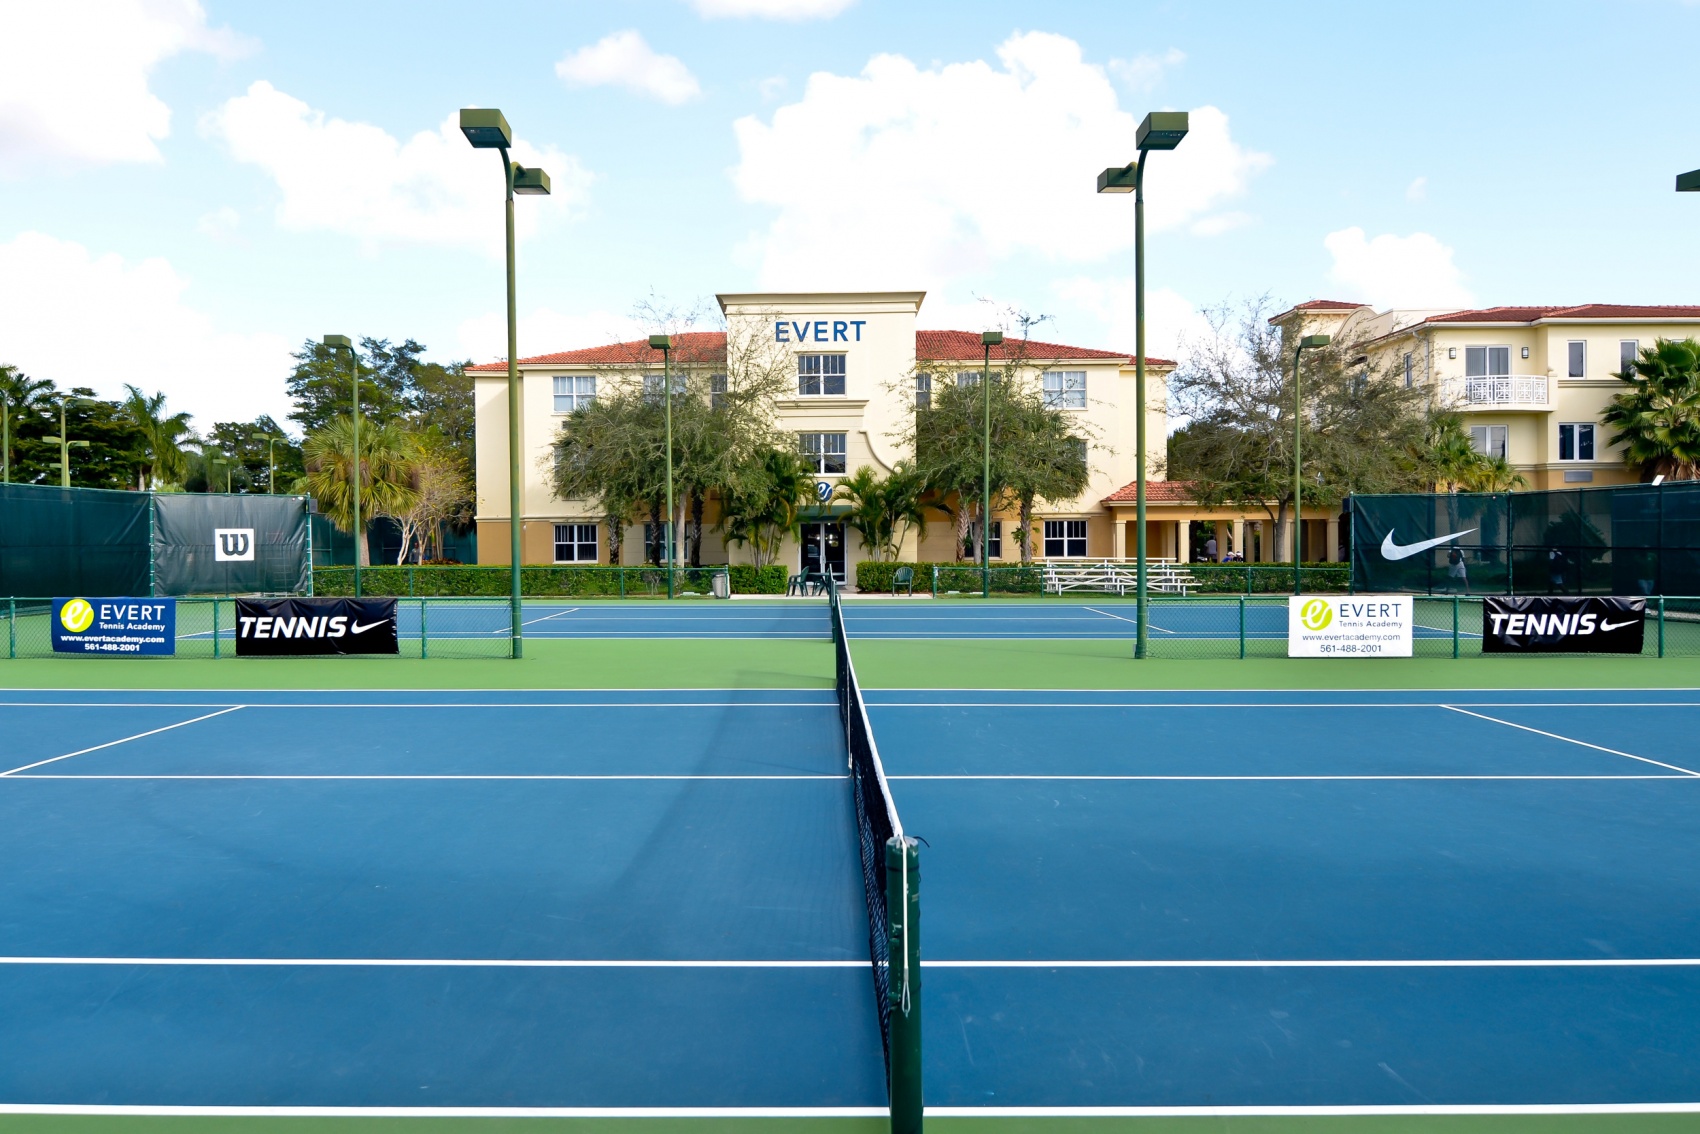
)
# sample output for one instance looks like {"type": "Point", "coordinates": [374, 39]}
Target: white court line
{"type": "Point", "coordinates": [875, 703]}
{"type": "Point", "coordinates": [480, 776]}
{"type": "Point", "coordinates": [1135, 621]}
{"type": "Point", "coordinates": [1365, 1109]}
{"type": "Point", "coordinates": [833, 705]}
{"type": "Point", "coordinates": [623, 963]}
{"type": "Point", "coordinates": [125, 740]}
{"type": "Point", "coordinates": [1646, 776]}
{"type": "Point", "coordinates": [1572, 740]}
{"type": "Point", "coordinates": [545, 618]}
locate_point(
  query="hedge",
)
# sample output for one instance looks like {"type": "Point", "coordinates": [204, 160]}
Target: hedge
{"type": "Point", "coordinates": [541, 581]}
{"type": "Point", "coordinates": [1211, 578]}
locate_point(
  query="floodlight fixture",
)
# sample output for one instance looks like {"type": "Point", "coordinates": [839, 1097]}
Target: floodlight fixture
{"type": "Point", "coordinates": [1121, 179]}
{"type": "Point", "coordinates": [1162, 130]}
{"type": "Point", "coordinates": [531, 182]}
{"type": "Point", "coordinates": [1688, 182]}
{"type": "Point", "coordinates": [486, 129]}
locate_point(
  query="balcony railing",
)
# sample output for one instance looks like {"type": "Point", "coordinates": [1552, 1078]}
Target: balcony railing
{"type": "Point", "coordinates": [1499, 390]}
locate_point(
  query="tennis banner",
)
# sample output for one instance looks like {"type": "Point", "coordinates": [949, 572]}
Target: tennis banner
{"type": "Point", "coordinates": [299, 626]}
{"type": "Point", "coordinates": [1538, 624]}
{"type": "Point", "coordinates": [1350, 626]}
{"type": "Point", "coordinates": [145, 627]}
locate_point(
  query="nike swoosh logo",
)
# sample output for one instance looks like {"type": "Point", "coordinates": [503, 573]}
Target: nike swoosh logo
{"type": "Point", "coordinates": [1391, 550]}
{"type": "Point", "coordinates": [1616, 625]}
{"type": "Point", "coordinates": [359, 629]}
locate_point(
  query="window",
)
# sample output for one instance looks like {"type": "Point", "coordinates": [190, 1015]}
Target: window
{"type": "Point", "coordinates": [573, 391]}
{"type": "Point", "coordinates": [994, 546]}
{"type": "Point", "coordinates": [654, 542]}
{"type": "Point", "coordinates": [1576, 441]}
{"type": "Point", "coordinates": [1078, 444]}
{"type": "Point", "coordinates": [1487, 361]}
{"type": "Point", "coordinates": [1410, 370]}
{"type": "Point", "coordinates": [575, 543]}
{"type": "Point", "coordinates": [1626, 352]}
{"type": "Point", "coordinates": [923, 391]}
{"type": "Point", "coordinates": [823, 452]}
{"type": "Point", "coordinates": [652, 385]}
{"type": "Point", "coordinates": [1490, 440]}
{"type": "Point", "coordinates": [821, 374]}
{"type": "Point", "coordinates": [1578, 360]}
{"type": "Point", "coordinates": [1065, 539]}
{"type": "Point", "coordinates": [1065, 389]}
{"type": "Point", "coordinates": [716, 391]}
{"type": "Point", "coordinates": [970, 378]}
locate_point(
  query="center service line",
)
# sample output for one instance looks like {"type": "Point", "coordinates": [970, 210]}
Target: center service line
{"type": "Point", "coordinates": [1572, 740]}
{"type": "Point", "coordinates": [125, 740]}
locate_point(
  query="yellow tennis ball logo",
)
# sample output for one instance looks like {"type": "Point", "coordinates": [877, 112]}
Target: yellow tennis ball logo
{"type": "Point", "coordinates": [76, 615]}
{"type": "Point", "coordinates": [1316, 614]}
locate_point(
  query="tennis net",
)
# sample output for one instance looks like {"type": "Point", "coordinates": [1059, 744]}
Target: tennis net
{"type": "Point", "coordinates": [891, 883]}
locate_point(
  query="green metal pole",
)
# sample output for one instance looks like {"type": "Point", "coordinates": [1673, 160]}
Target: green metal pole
{"type": "Point", "coordinates": [424, 650]}
{"type": "Point", "coordinates": [1298, 479]}
{"type": "Point", "coordinates": [215, 628]}
{"type": "Point", "coordinates": [12, 626]}
{"type": "Point", "coordinates": [1454, 625]}
{"type": "Point", "coordinates": [64, 450]}
{"type": "Point", "coordinates": [1661, 626]}
{"type": "Point", "coordinates": [667, 396]}
{"type": "Point", "coordinates": [1141, 597]}
{"type": "Point", "coordinates": [903, 916]}
{"type": "Point", "coordinates": [359, 472]}
{"type": "Point", "coordinates": [515, 520]}
{"type": "Point", "coordinates": [1242, 627]}
{"type": "Point", "coordinates": [271, 466]}
{"type": "Point", "coordinates": [986, 478]}
{"type": "Point", "coordinates": [5, 441]}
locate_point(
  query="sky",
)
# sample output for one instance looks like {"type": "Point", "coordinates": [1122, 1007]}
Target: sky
{"type": "Point", "coordinates": [190, 190]}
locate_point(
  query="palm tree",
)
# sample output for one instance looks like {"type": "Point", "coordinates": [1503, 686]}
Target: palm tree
{"type": "Point", "coordinates": [163, 438]}
{"type": "Point", "coordinates": [1492, 474]}
{"type": "Point", "coordinates": [386, 471]}
{"type": "Point", "coordinates": [883, 511]}
{"type": "Point", "coordinates": [1658, 417]}
{"type": "Point", "coordinates": [765, 503]}
{"type": "Point", "coordinates": [1450, 457]}
{"type": "Point", "coordinates": [20, 393]}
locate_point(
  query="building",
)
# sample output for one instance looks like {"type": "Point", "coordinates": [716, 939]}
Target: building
{"type": "Point", "coordinates": [853, 379]}
{"type": "Point", "coordinates": [1530, 382]}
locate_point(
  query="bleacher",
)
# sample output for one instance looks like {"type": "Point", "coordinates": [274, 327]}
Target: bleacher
{"type": "Point", "coordinates": [1116, 576]}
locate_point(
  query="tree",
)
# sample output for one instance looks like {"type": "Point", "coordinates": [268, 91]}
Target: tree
{"type": "Point", "coordinates": [162, 438]}
{"type": "Point", "coordinates": [882, 510]}
{"type": "Point", "coordinates": [244, 443]}
{"type": "Point", "coordinates": [22, 396]}
{"type": "Point", "coordinates": [442, 496]}
{"type": "Point", "coordinates": [385, 465]}
{"type": "Point", "coordinates": [322, 383]}
{"type": "Point", "coordinates": [765, 503]}
{"type": "Point", "coordinates": [1047, 461]}
{"type": "Point", "coordinates": [439, 400]}
{"type": "Point", "coordinates": [1657, 417]}
{"type": "Point", "coordinates": [1359, 430]}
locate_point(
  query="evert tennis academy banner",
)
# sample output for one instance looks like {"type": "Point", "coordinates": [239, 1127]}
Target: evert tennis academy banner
{"type": "Point", "coordinates": [1591, 625]}
{"type": "Point", "coordinates": [1350, 626]}
{"type": "Point", "coordinates": [292, 627]}
{"type": "Point", "coordinates": [114, 626]}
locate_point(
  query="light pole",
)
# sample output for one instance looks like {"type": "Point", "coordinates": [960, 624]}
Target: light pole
{"type": "Point", "coordinates": [1309, 342]}
{"type": "Point", "coordinates": [5, 439]}
{"type": "Point", "coordinates": [65, 443]}
{"type": "Point", "coordinates": [488, 130]}
{"type": "Point", "coordinates": [1161, 130]}
{"type": "Point", "coordinates": [988, 340]}
{"type": "Point", "coordinates": [1688, 182]}
{"type": "Point", "coordinates": [664, 344]}
{"type": "Point", "coordinates": [357, 471]}
{"type": "Point", "coordinates": [271, 459]}
{"type": "Point", "coordinates": [224, 464]}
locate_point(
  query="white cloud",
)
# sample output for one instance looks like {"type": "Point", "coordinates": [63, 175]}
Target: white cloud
{"type": "Point", "coordinates": [936, 173]}
{"type": "Point", "coordinates": [772, 87]}
{"type": "Point", "coordinates": [1143, 72]}
{"type": "Point", "coordinates": [1396, 271]}
{"type": "Point", "coordinates": [74, 77]}
{"type": "Point", "coordinates": [100, 321]}
{"type": "Point", "coordinates": [625, 60]}
{"type": "Point", "coordinates": [770, 9]}
{"type": "Point", "coordinates": [354, 178]}
{"type": "Point", "coordinates": [484, 338]}
{"type": "Point", "coordinates": [222, 224]}
{"type": "Point", "coordinates": [1417, 190]}
{"type": "Point", "coordinates": [1170, 320]}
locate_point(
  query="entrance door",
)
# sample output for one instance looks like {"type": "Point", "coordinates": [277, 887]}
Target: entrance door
{"type": "Point", "coordinates": [823, 549]}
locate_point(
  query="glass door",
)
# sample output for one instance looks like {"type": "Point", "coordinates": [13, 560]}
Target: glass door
{"type": "Point", "coordinates": [823, 549]}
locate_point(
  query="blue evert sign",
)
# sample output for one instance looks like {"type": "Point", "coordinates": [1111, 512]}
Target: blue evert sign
{"type": "Point", "coordinates": [819, 331]}
{"type": "Point", "coordinates": [114, 626]}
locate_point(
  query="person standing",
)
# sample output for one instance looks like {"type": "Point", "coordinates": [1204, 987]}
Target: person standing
{"type": "Point", "coordinates": [1457, 575]}
{"type": "Point", "coordinates": [1210, 549]}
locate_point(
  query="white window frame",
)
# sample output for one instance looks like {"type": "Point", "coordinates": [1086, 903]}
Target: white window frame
{"type": "Point", "coordinates": [1626, 358]}
{"type": "Point", "coordinates": [571, 391]}
{"type": "Point", "coordinates": [1573, 368]}
{"type": "Point", "coordinates": [716, 391]}
{"type": "Point", "coordinates": [653, 384]}
{"type": "Point", "coordinates": [1483, 439]}
{"type": "Point", "coordinates": [1578, 430]}
{"type": "Point", "coordinates": [1065, 539]}
{"type": "Point", "coordinates": [923, 391]}
{"type": "Point", "coordinates": [576, 539]}
{"type": "Point", "coordinates": [994, 545]}
{"type": "Point", "coordinates": [1065, 389]}
{"type": "Point", "coordinates": [1487, 360]}
{"type": "Point", "coordinates": [821, 376]}
{"type": "Point", "coordinates": [817, 450]}
{"type": "Point", "coordinates": [969, 378]}
{"type": "Point", "coordinates": [1410, 369]}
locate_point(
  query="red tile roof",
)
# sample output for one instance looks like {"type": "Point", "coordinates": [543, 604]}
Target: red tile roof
{"type": "Point", "coordinates": [1318, 305]}
{"type": "Point", "coordinates": [708, 346]}
{"type": "Point", "coordinates": [1582, 311]}
{"type": "Point", "coordinates": [1156, 492]}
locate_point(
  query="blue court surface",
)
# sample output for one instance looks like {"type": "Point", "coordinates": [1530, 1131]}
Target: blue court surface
{"type": "Point", "coordinates": [652, 899]}
{"type": "Point", "coordinates": [865, 618]}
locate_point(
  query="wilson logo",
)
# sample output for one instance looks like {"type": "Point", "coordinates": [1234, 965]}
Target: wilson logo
{"type": "Point", "coordinates": [233, 545]}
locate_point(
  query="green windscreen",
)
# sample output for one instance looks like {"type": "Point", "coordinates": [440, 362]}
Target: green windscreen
{"type": "Point", "coordinates": [72, 541]}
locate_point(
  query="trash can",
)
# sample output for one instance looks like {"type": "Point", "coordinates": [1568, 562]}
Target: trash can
{"type": "Point", "coordinates": [722, 585]}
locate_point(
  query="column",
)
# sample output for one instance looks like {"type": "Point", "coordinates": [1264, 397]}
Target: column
{"type": "Point", "coordinates": [1238, 538]}
{"type": "Point", "coordinates": [1183, 540]}
{"type": "Point", "coordinates": [1333, 548]}
{"type": "Point", "coordinates": [1118, 536]}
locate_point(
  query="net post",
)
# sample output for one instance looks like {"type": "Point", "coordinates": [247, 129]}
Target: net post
{"type": "Point", "coordinates": [1242, 628]}
{"type": "Point", "coordinates": [1661, 624]}
{"type": "Point", "coordinates": [1454, 626]}
{"type": "Point", "coordinates": [903, 903]}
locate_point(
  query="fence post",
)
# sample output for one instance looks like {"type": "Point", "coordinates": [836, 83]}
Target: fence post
{"type": "Point", "coordinates": [1454, 625]}
{"type": "Point", "coordinates": [215, 628]}
{"type": "Point", "coordinates": [423, 648]}
{"type": "Point", "coordinates": [1661, 622]}
{"type": "Point", "coordinates": [12, 627]}
{"type": "Point", "coordinates": [410, 580]}
{"type": "Point", "coordinates": [622, 572]}
{"type": "Point", "coordinates": [935, 580]}
{"type": "Point", "coordinates": [1242, 628]}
